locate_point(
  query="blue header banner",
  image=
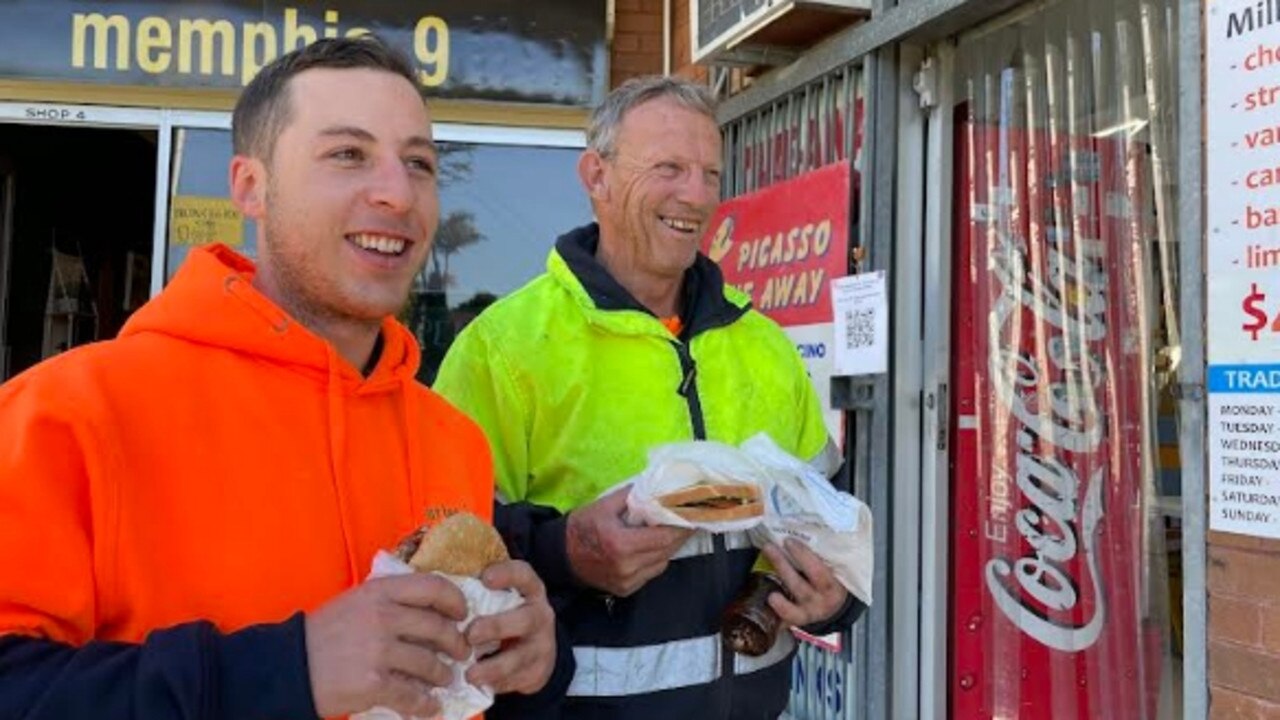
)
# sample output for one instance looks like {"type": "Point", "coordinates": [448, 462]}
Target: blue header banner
{"type": "Point", "coordinates": [1244, 378]}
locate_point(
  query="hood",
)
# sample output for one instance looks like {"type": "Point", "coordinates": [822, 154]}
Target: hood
{"type": "Point", "coordinates": [211, 301]}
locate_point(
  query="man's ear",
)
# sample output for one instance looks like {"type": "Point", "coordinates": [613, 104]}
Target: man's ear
{"type": "Point", "coordinates": [249, 186]}
{"type": "Point", "coordinates": [591, 171]}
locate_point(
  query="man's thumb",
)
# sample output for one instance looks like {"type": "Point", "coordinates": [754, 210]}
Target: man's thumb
{"type": "Point", "coordinates": [616, 500]}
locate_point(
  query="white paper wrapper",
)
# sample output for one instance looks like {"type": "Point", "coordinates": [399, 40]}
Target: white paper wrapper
{"type": "Point", "coordinates": [679, 465]}
{"type": "Point", "coordinates": [460, 700]}
{"type": "Point", "coordinates": [801, 503]}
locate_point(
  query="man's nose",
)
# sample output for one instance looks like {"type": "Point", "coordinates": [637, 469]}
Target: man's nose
{"type": "Point", "coordinates": [700, 189]}
{"type": "Point", "coordinates": [390, 186]}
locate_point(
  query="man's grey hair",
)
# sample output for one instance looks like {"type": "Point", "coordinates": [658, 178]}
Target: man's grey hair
{"type": "Point", "coordinates": [602, 129]}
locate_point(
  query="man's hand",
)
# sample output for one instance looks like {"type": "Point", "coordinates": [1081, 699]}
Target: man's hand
{"type": "Point", "coordinates": [376, 644]}
{"type": "Point", "coordinates": [610, 555]}
{"type": "Point", "coordinates": [527, 634]}
{"type": "Point", "coordinates": [818, 596]}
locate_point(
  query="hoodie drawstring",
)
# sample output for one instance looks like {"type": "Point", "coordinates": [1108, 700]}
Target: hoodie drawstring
{"type": "Point", "coordinates": [337, 457]}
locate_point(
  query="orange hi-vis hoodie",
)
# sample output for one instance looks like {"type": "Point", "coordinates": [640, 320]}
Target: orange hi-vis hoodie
{"type": "Point", "coordinates": [194, 485]}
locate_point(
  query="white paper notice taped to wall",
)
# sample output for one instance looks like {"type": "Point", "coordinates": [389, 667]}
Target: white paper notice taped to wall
{"type": "Point", "coordinates": [861, 324]}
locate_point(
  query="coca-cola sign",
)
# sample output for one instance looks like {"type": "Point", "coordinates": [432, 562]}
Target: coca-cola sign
{"type": "Point", "coordinates": [1052, 405]}
{"type": "Point", "coordinates": [1051, 603]}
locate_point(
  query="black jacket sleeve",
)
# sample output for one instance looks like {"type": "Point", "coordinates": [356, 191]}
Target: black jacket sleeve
{"type": "Point", "coordinates": [536, 534]}
{"type": "Point", "coordinates": [188, 671]}
{"type": "Point", "coordinates": [849, 614]}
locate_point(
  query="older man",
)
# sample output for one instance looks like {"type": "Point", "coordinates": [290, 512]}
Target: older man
{"type": "Point", "coordinates": [630, 340]}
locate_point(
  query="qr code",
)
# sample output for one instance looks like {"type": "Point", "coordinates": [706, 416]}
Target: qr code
{"type": "Point", "coordinates": [860, 328]}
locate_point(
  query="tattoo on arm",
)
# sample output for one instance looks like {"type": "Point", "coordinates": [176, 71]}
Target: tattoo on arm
{"type": "Point", "coordinates": [588, 538]}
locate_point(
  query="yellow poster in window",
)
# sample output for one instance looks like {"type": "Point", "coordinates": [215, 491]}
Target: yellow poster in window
{"type": "Point", "coordinates": [197, 220]}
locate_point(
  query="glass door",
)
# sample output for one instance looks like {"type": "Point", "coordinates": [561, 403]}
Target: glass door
{"type": "Point", "coordinates": [1065, 347]}
{"type": "Point", "coordinates": [200, 208]}
{"type": "Point", "coordinates": [7, 185]}
{"type": "Point", "coordinates": [75, 247]}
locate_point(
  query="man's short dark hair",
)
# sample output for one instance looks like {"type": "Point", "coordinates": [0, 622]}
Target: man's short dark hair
{"type": "Point", "coordinates": [262, 110]}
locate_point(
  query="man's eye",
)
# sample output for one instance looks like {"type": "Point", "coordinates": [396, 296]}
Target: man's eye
{"type": "Point", "coordinates": [423, 165]}
{"type": "Point", "coordinates": [347, 154]}
{"type": "Point", "coordinates": [669, 169]}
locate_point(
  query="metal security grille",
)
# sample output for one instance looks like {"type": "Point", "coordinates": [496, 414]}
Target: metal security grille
{"type": "Point", "coordinates": [817, 124]}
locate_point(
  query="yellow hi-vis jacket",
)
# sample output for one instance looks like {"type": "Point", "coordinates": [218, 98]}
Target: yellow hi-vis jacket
{"type": "Point", "coordinates": [573, 383]}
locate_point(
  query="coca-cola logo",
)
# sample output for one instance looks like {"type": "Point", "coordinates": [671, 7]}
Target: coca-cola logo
{"type": "Point", "coordinates": [1045, 383]}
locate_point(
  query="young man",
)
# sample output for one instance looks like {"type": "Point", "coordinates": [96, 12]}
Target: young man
{"type": "Point", "coordinates": [188, 513]}
{"type": "Point", "coordinates": [631, 340]}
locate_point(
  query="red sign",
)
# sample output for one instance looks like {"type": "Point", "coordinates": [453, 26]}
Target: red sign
{"type": "Point", "coordinates": [783, 244]}
{"type": "Point", "coordinates": [1052, 598]}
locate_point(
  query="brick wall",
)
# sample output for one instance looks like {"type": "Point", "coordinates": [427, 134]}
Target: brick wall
{"type": "Point", "coordinates": [681, 45]}
{"type": "Point", "coordinates": [1244, 627]}
{"type": "Point", "coordinates": [637, 40]}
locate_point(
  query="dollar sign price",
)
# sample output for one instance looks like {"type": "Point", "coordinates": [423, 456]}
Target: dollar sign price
{"type": "Point", "coordinates": [1250, 306]}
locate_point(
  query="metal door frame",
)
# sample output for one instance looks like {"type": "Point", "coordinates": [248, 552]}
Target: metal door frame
{"type": "Point", "coordinates": [161, 120]}
{"type": "Point", "coordinates": [75, 116]}
{"type": "Point", "coordinates": [935, 83]}
{"type": "Point", "coordinates": [1192, 430]}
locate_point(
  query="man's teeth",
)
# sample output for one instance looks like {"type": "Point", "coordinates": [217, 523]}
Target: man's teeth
{"type": "Point", "coordinates": [681, 225]}
{"type": "Point", "coordinates": [379, 243]}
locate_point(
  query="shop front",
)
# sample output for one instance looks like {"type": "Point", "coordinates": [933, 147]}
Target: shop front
{"type": "Point", "coordinates": [1033, 452]}
{"type": "Point", "coordinates": [115, 142]}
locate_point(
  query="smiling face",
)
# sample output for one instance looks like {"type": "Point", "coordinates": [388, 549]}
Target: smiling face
{"type": "Point", "coordinates": [657, 190]}
{"type": "Point", "coordinates": [348, 202]}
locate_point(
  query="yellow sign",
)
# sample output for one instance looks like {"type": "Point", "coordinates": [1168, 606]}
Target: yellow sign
{"type": "Point", "coordinates": [203, 220]}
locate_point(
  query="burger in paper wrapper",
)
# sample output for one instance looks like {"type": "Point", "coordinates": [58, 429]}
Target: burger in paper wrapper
{"type": "Point", "coordinates": [459, 548]}
{"type": "Point", "coordinates": [462, 544]}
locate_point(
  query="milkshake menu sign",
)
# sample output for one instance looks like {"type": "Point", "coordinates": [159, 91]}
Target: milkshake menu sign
{"type": "Point", "coordinates": [550, 52]}
{"type": "Point", "coordinates": [1243, 253]}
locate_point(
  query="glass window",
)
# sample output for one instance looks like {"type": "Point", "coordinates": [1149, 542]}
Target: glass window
{"type": "Point", "coordinates": [501, 208]}
{"type": "Point", "coordinates": [200, 209]}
